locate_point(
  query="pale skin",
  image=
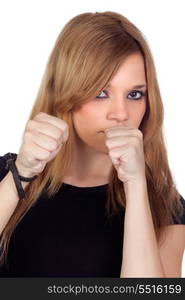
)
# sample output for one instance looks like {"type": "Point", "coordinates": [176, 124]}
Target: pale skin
{"type": "Point", "coordinates": [107, 136]}
{"type": "Point", "coordinates": [97, 115]}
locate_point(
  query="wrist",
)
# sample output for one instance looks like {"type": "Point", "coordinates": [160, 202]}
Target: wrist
{"type": "Point", "coordinates": [141, 180]}
{"type": "Point", "coordinates": [24, 172]}
{"type": "Point", "coordinates": [135, 187]}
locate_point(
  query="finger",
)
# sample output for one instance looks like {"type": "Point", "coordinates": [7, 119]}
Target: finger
{"type": "Point", "coordinates": [51, 120]}
{"type": "Point", "coordinates": [45, 141]}
{"type": "Point", "coordinates": [120, 131]}
{"type": "Point", "coordinates": [115, 153]}
{"type": "Point", "coordinates": [116, 161]}
{"type": "Point", "coordinates": [115, 128]}
{"type": "Point", "coordinates": [118, 141]}
{"type": "Point", "coordinates": [49, 130]}
{"type": "Point", "coordinates": [121, 139]}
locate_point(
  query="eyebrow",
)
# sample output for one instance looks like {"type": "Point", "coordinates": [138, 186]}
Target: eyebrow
{"type": "Point", "coordinates": [139, 86]}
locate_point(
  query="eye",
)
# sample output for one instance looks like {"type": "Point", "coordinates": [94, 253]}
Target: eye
{"type": "Point", "coordinates": [98, 97]}
{"type": "Point", "coordinates": [133, 94]}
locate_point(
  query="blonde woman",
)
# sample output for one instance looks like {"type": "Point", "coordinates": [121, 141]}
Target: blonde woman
{"type": "Point", "coordinates": [102, 202]}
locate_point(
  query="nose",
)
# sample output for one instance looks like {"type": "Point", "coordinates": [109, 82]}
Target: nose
{"type": "Point", "coordinates": [118, 110]}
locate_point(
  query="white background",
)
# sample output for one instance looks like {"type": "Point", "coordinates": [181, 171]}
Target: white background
{"type": "Point", "coordinates": [28, 30]}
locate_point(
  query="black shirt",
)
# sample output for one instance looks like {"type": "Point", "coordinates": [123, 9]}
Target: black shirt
{"type": "Point", "coordinates": [67, 235]}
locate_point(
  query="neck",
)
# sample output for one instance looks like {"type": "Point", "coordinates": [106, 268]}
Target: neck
{"type": "Point", "coordinates": [89, 164]}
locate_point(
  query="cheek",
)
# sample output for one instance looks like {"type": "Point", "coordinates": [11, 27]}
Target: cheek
{"type": "Point", "coordinates": [142, 110]}
{"type": "Point", "coordinates": [137, 114]}
{"type": "Point", "coordinates": [84, 119]}
{"type": "Point", "coordinates": [87, 116]}
{"type": "Point", "coordinates": [141, 114]}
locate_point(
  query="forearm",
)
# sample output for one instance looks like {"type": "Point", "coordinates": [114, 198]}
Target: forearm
{"type": "Point", "coordinates": [140, 249]}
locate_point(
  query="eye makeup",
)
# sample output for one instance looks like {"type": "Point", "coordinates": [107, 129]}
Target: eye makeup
{"type": "Point", "coordinates": [142, 94]}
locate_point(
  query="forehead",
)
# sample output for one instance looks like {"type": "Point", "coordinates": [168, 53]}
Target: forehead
{"type": "Point", "coordinates": [131, 72]}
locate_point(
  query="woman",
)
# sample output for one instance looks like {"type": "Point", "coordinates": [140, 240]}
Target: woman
{"type": "Point", "coordinates": [104, 203]}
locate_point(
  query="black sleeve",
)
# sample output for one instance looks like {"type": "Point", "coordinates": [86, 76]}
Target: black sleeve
{"type": "Point", "coordinates": [182, 220]}
{"type": "Point", "coordinates": [3, 159]}
{"type": "Point", "coordinates": [3, 171]}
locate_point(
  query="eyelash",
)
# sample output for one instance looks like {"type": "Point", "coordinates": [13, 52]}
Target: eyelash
{"type": "Point", "coordinates": [134, 91]}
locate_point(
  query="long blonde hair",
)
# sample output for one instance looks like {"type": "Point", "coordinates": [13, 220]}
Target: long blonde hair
{"type": "Point", "coordinates": [86, 55]}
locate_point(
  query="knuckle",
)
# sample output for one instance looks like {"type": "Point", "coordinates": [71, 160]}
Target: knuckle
{"type": "Point", "coordinates": [30, 124]}
{"type": "Point", "coordinates": [65, 134]}
{"type": "Point", "coordinates": [111, 152]}
{"type": "Point", "coordinates": [54, 144]}
{"type": "Point", "coordinates": [59, 135]}
{"type": "Point", "coordinates": [27, 135]}
{"type": "Point", "coordinates": [39, 115]}
{"type": "Point", "coordinates": [55, 137]}
{"type": "Point", "coordinates": [65, 125]}
{"type": "Point", "coordinates": [140, 134]}
{"type": "Point", "coordinates": [29, 159]}
{"type": "Point", "coordinates": [46, 155]}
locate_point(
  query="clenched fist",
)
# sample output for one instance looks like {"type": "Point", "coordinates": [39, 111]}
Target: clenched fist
{"type": "Point", "coordinates": [125, 145]}
{"type": "Point", "coordinates": [43, 137]}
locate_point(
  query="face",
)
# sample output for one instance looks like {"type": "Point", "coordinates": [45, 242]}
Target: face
{"type": "Point", "coordinates": [120, 103]}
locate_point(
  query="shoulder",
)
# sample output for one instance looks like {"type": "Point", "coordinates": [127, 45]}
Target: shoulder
{"type": "Point", "coordinates": [3, 164]}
